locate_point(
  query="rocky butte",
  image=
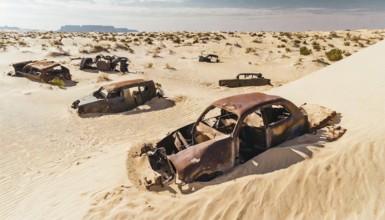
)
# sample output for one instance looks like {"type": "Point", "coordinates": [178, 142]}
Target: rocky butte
{"type": "Point", "coordinates": [93, 28]}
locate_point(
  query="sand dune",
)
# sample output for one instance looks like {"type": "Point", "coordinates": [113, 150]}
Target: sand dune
{"type": "Point", "coordinates": [54, 164]}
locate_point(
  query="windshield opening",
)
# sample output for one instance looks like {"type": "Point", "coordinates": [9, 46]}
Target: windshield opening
{"type": "Point", "coordinates": [220, 120]}
{"type": "Point", "coordinates": [101, 93]}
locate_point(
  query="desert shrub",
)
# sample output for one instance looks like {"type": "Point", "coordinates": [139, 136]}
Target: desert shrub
{"type": "Point", "coordinates": [304, 51]}
{"type": "Point", "coordinates": [347, 43]}
{"type": "Point", "coordinates": [346, 53]}
{"type": "Point", "coordinates": [103, 77]}
{"type": "Point", "coordinates": [333, 34]}
{"type": "Point", "coordinates": [57, 43]}
{"type": "Point", "coordinates": [98, 49]}
{"type": "Point", "coordinates": [149, 65]}
{"type": "Point", "coordinates": [316, 46]}
{"type": "Point", "coordinates": [287, 49]}
{"type": "Point", "coordinates": [57, 82]}
{"type": "Point", "coordinates": [250, 50]}
{"type": "Point", "coordinates": [330, 45]}
{"type": "Point", "coordinates": [237, 45]}
{"type": "Point", "coordinates": [122, 46]}
{"type": "Point", "coordinates": [22, 43]}
{"type": "Point", "coordinates": [296, 43]}
{"type": "Point", "coordinates": [3, 46]}
{"type": "Point", "coordinates": [148, 41]}
{"type": "Point", "coordinates": [169, 67]}
{"type": "Point", "coordinates": [356, 38]}
{"type": "Point", "coordinates": [177, 40]}
{"type": "Point", "coordinates": [58, 54]}
{"type": "Point", "coordinates": [334, 54]}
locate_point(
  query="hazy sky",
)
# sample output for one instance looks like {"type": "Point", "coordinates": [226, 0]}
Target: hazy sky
{"type": "Point", "coordinates": [196, 15]}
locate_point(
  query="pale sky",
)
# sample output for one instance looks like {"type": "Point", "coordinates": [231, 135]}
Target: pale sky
{"type": "Point", "coordinates": [196, 15]}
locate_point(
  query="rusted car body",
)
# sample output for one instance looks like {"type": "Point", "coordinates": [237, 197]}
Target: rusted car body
{"type": "Point", "coordinates": [105, 63]}
{"type": "Point", "coordinates": [42, 71]}
{"type": "Point", "coordinates": [229, 132]}
{"type": "Point", "coordinates": [117, 97]}
{"type": "Point", "coordinates": [211, 58]}
{"type": "Point", "coordinates": [245, 79]}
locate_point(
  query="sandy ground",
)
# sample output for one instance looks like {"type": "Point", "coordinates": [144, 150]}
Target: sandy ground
{"type": "Point", "coordinates": [56, 165]}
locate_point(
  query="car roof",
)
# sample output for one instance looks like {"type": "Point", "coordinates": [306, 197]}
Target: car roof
{"type": "Point", "coordinates": [117, 85]}
{"type": "Point", "coordinates": [43, 64]}
{"type": "Point", "coordinates": [241, 104]}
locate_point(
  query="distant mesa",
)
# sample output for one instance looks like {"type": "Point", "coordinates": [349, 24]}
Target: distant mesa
{"type": "Point", "coordinates": [93, 28]}
{"type": "Point", "coordinates": [9, 28]}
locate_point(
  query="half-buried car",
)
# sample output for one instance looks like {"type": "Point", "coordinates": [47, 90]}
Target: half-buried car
{"type": "Point", "coordinates": [229, 132]}
{"type": "Point", "coordinates": [41, 71]}
{"type": "Point", "coordinates": [118, 97]}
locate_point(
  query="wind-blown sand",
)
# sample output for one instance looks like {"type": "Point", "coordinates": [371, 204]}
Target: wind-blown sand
{"type": "Point", "coordinates": [54, 164]}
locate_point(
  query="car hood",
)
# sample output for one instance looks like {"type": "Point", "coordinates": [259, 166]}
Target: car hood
{"type": "Point", "coordinates": [85, 100]}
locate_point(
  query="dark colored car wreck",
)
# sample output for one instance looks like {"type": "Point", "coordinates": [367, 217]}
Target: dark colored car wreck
{"type": "Point", "coordinates": [42, 71]}
{"type": "Point", "coordinates": [105, 63]}
{"type": "Point", "coordinates": [245, 79]}
{"type": "Point", "coordinates": [229, 132]}
{"type": "Point", "coordinates": [211, 58]}
{"type": "Point", "coordinates": [117, 97]}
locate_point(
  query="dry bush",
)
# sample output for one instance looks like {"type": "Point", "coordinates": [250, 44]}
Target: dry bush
{"type": "Point", "coordinates": [237, 45]}
{"type": "Point", "coordinates": [258, 41]}
{"type": "Point", "coordinates": [316, 46]}
{"type": "Point", "coordinates": [149, 65]}
{"type": "Point", "coordinates": [58, 53]}
{"type": "Point", "coordinates": [3, 46]}
{"type": "Point", "coordinates": [103, 77]}
{"type": "Point", "coordinates": [98, 48]}
{"type": "Point", "coordinates": [57, 82]}
{"type": "Point", "coordinates": [57, 43]}
{"type": "Point", "coordinates": [304, 51]}
{"type": "Point", "coordinates": [155, 52]}
{"type": "Point", "coordinates": [122, 46]}
{"type": "Point", "coordinates": [334, 54]}
{"type": "Point", "coordinates": [346, 53]}
{"type": "Point", "coordinates": [169, 67]}
{"type": "Point", "coordinates": [333, 34]}
{"type": "Point", "coordinates": [177, 40]}
{"type": "Point", "coordinates": [250, 50]}
{"type": "Point", "coordinates": [22, 43]}
{"type": "Point", "coordinates": [179, 98]}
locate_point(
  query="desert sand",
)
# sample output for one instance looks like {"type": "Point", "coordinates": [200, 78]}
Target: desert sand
{"type": "Point", "coordinates": [57, 165]}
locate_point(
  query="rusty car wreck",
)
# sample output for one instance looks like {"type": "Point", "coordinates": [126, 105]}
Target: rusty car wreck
{"type": "Point", "coordinates": [211, 58]}
{"type": "Point", "coordinates": [245, 79]}
{"type": "Point", "coordinates": [118, 97]}
{"type": "Point", "coordinates": [229, 132]}
{"type": "Point", "coordinates": [105, 63]}
{"type": "Point", "coordinates": [42, 71]}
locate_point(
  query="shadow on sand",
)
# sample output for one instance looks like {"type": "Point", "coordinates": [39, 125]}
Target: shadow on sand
{"type": "Point", "coordinates": [273, 159]}
{"type": "Point", "coordinates": [155, 104]}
